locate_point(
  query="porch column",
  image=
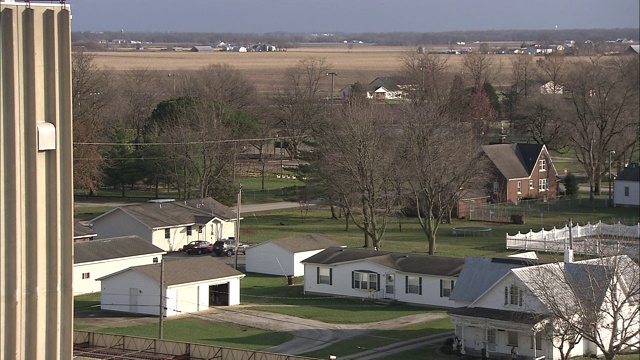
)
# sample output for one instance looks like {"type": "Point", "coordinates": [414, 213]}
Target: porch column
{"type": "Point", "coordinates": [462, 340]}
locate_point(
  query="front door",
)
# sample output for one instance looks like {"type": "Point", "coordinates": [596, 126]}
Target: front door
{"type": "Point", "coordinates": [133, 300]}
{"type": "Point", "coordinates": [389, 290]}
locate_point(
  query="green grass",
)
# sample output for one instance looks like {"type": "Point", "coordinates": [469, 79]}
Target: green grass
{"type": "Point", "coordinates": [384, 337]}
{"type": "Point", "coordinates": [201, 331]}
{"type": "Point", "coordinates": [86, 301]}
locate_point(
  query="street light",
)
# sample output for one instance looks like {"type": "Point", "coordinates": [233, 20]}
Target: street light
{"type": "Point", "coordinates": [611, 152]}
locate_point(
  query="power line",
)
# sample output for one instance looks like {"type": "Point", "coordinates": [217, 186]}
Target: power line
{"type": "Point", "coordinates": [175, 143]}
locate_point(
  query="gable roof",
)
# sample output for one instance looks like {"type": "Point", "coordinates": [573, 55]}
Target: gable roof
{"type": "Point", "coordinates": [186, 270]}
{"type": "Point", "coordinates": [480, 273]}
{"type": "Point", "coordinates": [303, 243]}
{"type": "Point", "coordinates": [113, 248]}
{"type": "Point", "coordinates": [408, 263]}
{"type": "Point", "coordinates": [213, 207]}
{"type": "Point", "coordinates": [389, 83]}
{"type": "Point", "coordinates": [162, 215]}
{"type": "Point", "coordinates": [630, 173]}
{"type": "Point", "coordinates": [514, 161]}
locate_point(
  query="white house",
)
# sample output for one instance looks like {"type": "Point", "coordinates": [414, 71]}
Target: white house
{"type": "Point", "coordinates": [190, 284]}
{"type": "Point", "coordinates": [626, 187]}
{"type": "Point", "coordinates": [167, 225]}
{"type": "Point", "coordinates": [551, 88]}
{"type": "Point", "coordinates": [98, 258]}
{"type": "Point", "coordinates": [514, 312]}
{"type": "Point", "coordinates": [284, 256]}
{"type": "Point", "coordinates": [372, 274]}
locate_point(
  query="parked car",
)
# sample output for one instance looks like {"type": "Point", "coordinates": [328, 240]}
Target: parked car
{"type": "Point", "coordinates": [200, 247]}
{"type": "Point", "coordinates": [191, 245]}
{"type": "Point", "coordinates": [227, 247]}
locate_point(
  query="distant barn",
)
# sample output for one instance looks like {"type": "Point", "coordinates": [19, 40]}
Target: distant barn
{"type": "Point", "coordinates": [201, 48]}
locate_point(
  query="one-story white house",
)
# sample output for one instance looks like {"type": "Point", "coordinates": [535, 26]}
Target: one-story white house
{"type": "Point", "coordinates": [284, 256]}
{"type": "Point", "coordinates": [167, 225]}
{"type": "Point", "coordinates": [626, 187]}
{"type": "Point", "coordinates": [371, 274]}
{"type": "Point", "coordinates": [190, 284]}
{"type": "Point", "coordinates": [95, 259]}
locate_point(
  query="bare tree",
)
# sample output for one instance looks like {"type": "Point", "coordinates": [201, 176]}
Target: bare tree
{"type": "Point", "coordinates": [424, 73]}
{"type": "Point", "coordinates": [593, 300]}
{"type": "Point", "coordinates": [542, 121]}
{"type": "Point", "coordinates": [221, 83]}
{"type": "Point", "coordinates": [604, 97]}
{"type": "Point", "coordinates": [445, 160]}
{"type": "Point", "coordinates": [92, 94]}
{"type": "Point", "coordinates": [553, 68]}
{"type": "Point", "coordinates": [299, 108]}
{"type": "Point", "coordinates": [139, 93]}
{"type": "Point", "coordinates": [479, 67]}
{"type": "Point", "coordinates": [522, 74]}
{"type": "Point", "coordinates": [358, 166]}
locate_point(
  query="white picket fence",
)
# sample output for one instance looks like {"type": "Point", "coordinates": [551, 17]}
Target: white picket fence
{"type": "Point", "coordinates": [587, 239]}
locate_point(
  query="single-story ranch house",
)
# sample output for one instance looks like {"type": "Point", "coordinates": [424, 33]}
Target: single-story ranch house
{"type": "Point", "coordinates": [372, 274]}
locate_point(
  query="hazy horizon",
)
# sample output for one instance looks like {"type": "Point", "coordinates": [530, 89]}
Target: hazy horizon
{"type": "Point", "coordinates": [350, 16]}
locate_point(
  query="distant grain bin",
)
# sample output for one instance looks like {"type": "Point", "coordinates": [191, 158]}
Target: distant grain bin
{"type": "Point", "coordinates": [421, 49]}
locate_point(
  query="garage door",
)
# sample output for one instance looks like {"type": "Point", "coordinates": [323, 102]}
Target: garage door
{"type": "Point", "coordinates": [187, 299]}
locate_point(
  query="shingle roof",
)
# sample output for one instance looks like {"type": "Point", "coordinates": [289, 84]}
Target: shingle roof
{"type": "Point", "coordinates": [630, 173]}
{"type": "Point", "coordinates": [409, 263]}
{"type": "Point", "coordinates": [113, 248]}
{"type": "Point", "coordinates": [166, 214]}
{"type": "Point", "coordinates": [514, 160]}
{"type": "Point", "coordinates": [496, 314]}
{"type": "Point", "coordinates": [479, 273]}
{"type": "Point", "coordinates": [80, 230]}
{"type": "Point", "coordinates": [306, 242]}
{"type": "Point", "coordinates": [213, 207]}
{"type": "Point", "coordinates": [187, 270]}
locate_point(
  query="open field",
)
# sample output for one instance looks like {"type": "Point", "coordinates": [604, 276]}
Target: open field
{"type": "Point", "coordinates": [361, 63]}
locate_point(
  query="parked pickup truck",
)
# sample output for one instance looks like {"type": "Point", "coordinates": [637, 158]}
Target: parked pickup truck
{"type": "Point", "coordinates": [227, 247]}
{"type": "Point", "coordinates": [199, 247]}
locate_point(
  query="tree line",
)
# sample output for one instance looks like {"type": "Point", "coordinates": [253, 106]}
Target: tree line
{"type": "Point", "coordinates": [368, 160]}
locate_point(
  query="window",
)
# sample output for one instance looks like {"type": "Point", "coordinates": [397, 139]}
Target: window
{"type": "Point", "coordinates": [538, 341]}
{"type": "Point", "coordinates": [189, 230]}
{"type": "Point", "coordinates": [512, 295]}
{"type": "Point", "coordinates": [365, 280]}
{"type": "Point", "coordinates": [495, 187]}
{"type": "Point", "coordinates": [324, 275]}
{"type": "Point", "coordinates": [530, 184]}
{"type": "Point", "coordinates": [512, 338]}
{"type": "Point", "coordinates": [491, 336]}
{"type": "Point", "coordinates": [543, 185]}
{"type": "Point", "coordinates": [626, 191]}
{"type": "Point", "coordinates": [200, 229]}
{"type": "Point", "coordinates": [519, 187]}
{"type": "Point", "coordinates": [446, 286]}
{"type": "Point", "coordinates": [167, 233]}
{"type": "Point", "coordinates": [155, 260]}
{"type": "Point", "coordinates": [86, 276]}
{"type": "Point", "coordinates": [413, 285]}
{"type": "Point", "coordinates": [543, 165]}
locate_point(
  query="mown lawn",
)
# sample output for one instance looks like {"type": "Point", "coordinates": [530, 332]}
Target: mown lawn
{"type": "Point", "coordinates": [202, 331]}
{"type": "Point", "coordinates": [384, 337]}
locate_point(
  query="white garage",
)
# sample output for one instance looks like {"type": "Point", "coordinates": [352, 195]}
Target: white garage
{"type": "Point", "coordinates": [190, 285]}
{"type": "Point", "coordinates": [284, 256]}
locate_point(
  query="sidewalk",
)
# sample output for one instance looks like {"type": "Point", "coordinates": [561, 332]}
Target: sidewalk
{"type": "Point", "coordinates": [399, 347]}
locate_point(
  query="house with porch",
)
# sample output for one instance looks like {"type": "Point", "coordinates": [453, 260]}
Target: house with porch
{"type": "Point", "coordinates": [519, 311]}
{"type": "Point", "coordinates": [374, 275]}
{"type": "Point", "coordinates": [520, 171]}
{"type": "Point", "coordinates": [168, 225]}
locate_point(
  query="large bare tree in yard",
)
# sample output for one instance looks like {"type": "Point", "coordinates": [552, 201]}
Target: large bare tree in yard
{"type": "Point", "coordinates": [604, 97]}
{"type": "Point", "coordinates": [444, 159]}
{"type": "Point", "coordinates": [593, 300]}
{"type": "Point", "coordinates": [221, 83]}
{"type": "Point", "coordinates": [92, 94]}
{"type": "Point", "coordinates": [298, 108]}
{"type": "Point", "coordinates": [358, 165]}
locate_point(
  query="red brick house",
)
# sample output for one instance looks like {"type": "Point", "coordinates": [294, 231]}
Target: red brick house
{"type": "Point", "coordinates": [521, 171]}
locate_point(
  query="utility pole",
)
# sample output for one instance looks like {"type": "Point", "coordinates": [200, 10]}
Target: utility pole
{"type": "Point", "coordinates": [173, 75]}
{"type": "Point", "coordinates": [235, 261]}
{"type": "Point", "coordinates": [333, 74]}
{"type": "Point", "coordinates": [611, 152]}
{"type": "Point", "coordinates": [161, 318]}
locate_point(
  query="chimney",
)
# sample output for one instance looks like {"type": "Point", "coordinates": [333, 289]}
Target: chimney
{"type": "Point", "coordinates": [568, 250]}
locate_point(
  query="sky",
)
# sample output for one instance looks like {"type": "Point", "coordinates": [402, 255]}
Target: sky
{"type": "Point", "coordinates": [350, 16]}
